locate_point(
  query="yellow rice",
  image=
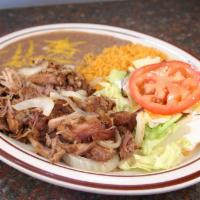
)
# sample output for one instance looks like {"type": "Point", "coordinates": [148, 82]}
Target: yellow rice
{"type": "Point", "coordinates": [116, 57]}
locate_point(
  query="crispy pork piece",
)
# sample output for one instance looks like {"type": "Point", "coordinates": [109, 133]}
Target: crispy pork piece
{"type": "Point", "coordinates": [85, 129]}
{"type": "Point", "coordinates": [13, 124]}
{"type": "Point", "coordinates": [100, 153]}
{"type": "Point", "coordinates": [96, 104]}
{"type": "Point", "coordinates": [40, 148]}
{"type": "Point", "coordinates": [60, 108]}
{"type": "Point", "coordinates": [3, 125]}
{"type": "Point", "coordinates": [79, 149]}
{"type": "Point", "coordinates": [124, 118]}
{"type": "Point", "coordinates": [61, 76]}
{"type": "Point", "coordinates": [10, 80]}
{"type": "Point", "coordinates": [48, 79]}
{"type": "Point", "coordinates": [127, 146]}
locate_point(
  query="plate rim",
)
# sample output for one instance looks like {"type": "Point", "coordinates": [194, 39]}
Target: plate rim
{"type": "Point", "coordinates": [121, 31]}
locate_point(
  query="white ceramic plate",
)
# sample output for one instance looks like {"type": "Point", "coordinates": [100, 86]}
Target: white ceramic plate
{"type": "Point", "coordinates": [20, 156]}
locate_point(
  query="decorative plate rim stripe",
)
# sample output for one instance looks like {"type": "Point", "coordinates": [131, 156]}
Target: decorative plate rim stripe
{"type": "Point", "coordinates": [191, 177]}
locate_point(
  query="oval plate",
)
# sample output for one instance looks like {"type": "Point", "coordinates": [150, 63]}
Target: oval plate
{"type": "Point", "coordinates": [20, 156]}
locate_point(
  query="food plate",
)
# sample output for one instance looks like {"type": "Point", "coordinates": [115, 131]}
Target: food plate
{"type": "Point", "coordinates": [22, 158]}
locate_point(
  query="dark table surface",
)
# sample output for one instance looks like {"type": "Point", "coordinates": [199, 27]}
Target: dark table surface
{"type": "Point", "coordinates": [175, 21]}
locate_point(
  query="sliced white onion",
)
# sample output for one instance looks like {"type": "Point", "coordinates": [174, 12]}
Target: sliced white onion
{"type": "Point", "coordinates": [73, 105]}
{"type": "Point", "coordinates": [82, 92]}
{"type": "Point", "coordinates": [53, 123]}
{"type": "Point", "coordinates": [76, 94]}
{"type": "Point", "coordinates": [91, 165]}
{"type": "Point", "coordinates": [63, 93]}
{"type": "Point", "coordinates": [110, 143]}
{"type": "Point", "coordinates": [29, 71]}
{"type": "Point", "coordinates": [71, 66]}
{"type": "Point", "coordinates": [56, 96]}
{"type": "Point", "coordinates": [44, 103]}
{"type": "Point", "coordinates": [140, 128]}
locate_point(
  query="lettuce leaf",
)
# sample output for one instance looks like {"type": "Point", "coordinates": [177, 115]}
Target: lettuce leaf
{"type": "Point", "coordinates": [112, 89]}
{"type": "Point", "coordinates": [116, 76]}
{"type": "Point", "coordinates": [154, 155]}
{"type": "Point", "coordinates": [154, 136]}
{"type": "Point", "coordinates": [161, 158]}
{"type": "Point", "coordinates": [146, 61]}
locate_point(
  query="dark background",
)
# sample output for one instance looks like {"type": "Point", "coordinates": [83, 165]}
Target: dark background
{"type": "Point", "coordinates": [175, 21]}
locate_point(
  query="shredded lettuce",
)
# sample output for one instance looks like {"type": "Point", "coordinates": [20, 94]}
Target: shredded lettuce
{"type": "Point", "coordinates": [146, 61]}
{"type": "Point", "coordinates": [116, 76]}
{"type": "Point", "coordinates": [154, 155]}
{"type": "Point", "coordinates": [154, 136]}
{"type": "Point", "coordinates": [161, 158]}
{"type": "Point", "coordinates": [112, 89]}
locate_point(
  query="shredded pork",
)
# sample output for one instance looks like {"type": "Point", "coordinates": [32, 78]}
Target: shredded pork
{"type": "Point", "coordinates": [74, 126]}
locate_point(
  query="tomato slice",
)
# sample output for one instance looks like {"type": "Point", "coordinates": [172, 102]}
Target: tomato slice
{"type": "Point", "coordinates": [165, 88]}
